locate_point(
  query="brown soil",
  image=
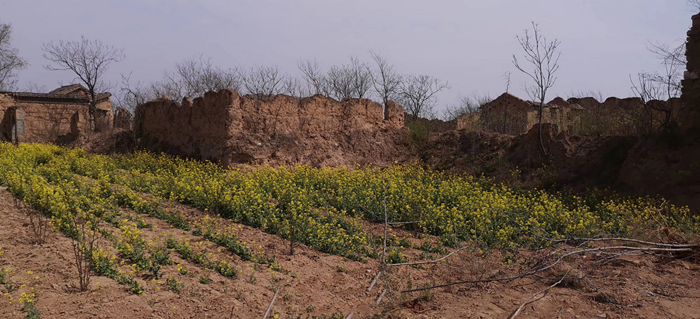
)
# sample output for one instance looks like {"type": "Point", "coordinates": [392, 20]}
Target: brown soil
{"type": "Point", "coordinates": [643, 287]}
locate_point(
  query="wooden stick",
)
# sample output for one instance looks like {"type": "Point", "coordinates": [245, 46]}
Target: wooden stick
{"type": "Point", "coordinates": [350, 315]}
{"type": "Point", "coordinates": [631, 240]}
{"type": "Point", "coordinates": [374, 281]}
{"type": "Point", "coordinates": [269, 308]}
{"type": "Point", "coordinates": [429, 261]}
{"type": "Point", "coordinates": [381, 296]}
{"type": "Point", "coordinates": [232, 308]}
{"type": "Point", "coordinates": [535, 298]}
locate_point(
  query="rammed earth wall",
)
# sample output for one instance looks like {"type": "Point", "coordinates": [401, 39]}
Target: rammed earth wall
{"type": "Point", "coordinates": [228, 128]}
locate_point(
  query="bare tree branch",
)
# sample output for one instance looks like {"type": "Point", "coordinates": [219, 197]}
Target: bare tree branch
{"type": "Point", "coordinates": [10, 61]}
{"type": "Point", "coordinates": [695, 4]}
{"type": "Point", "coordinates": [539, 295]}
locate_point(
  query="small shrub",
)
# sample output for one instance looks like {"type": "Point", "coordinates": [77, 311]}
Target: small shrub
{"type": "Point", "coordinates": [173, 285]}
{"type": "Point", "coordinates": [205, 280]}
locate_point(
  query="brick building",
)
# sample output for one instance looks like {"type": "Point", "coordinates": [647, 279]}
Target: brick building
{"type": "Point", "coordinates": [55, 117]}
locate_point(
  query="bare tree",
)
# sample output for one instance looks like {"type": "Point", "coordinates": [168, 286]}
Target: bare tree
{"type": "Point", "coordinates": [544, 59]}
{"type": "Point", "coordinates": [192, 77]}
{"type": "Point", "coordinates": [171, 86]}
{"type": "Point", "coordinates": [199, 76]}
{"type": "Point", "coordinates": [349, 81]}
{"type": "Point", "coordinates": [316, 81]}
{"type": "Point", "coordinates": [386, 81]}
{"type": "Point", "coordinates": [417, 93]}
{"type": "Point", "coordinates": [661, 86]}
{"type": "Point", "coordinates": [361, 78]}
{"type": "Point", "coordinates": [10, 61]}
{"type": "Point", "coordinates": [89, 60]}
{"type": "Point", "coordinates": [465, 105]}
{"type": "Point", "coordinates": [673, 61]}
{"type": "Point", "coordinates": [340, 84]}
{"type": "Point", "coordinates": [647, 87]}
{"type": "Point", "coordinates": [264, 81]}
{"type": "Point", "coordinates": [506, 77]}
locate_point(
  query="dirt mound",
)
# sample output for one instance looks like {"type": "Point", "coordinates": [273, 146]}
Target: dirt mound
{"type": "Point", "coordinates": [652, 168]}
{"type": "Point", "coordinates": [575, 161]}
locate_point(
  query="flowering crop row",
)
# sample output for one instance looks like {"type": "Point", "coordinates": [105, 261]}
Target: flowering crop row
{"type": "Point", "coordinates": [27, 174]}
{"type": "Point", "coordinates": [325, 203]}
{"type": "Point", "coordinates": [324, 208]}
{"type": "Point", "coordinates": [201, 258]}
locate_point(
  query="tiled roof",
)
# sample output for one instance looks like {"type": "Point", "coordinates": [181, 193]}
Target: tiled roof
{"type": "Point", "coordinates": [66, 89]}
{"type": "Point", "coordinates": [53, 96]}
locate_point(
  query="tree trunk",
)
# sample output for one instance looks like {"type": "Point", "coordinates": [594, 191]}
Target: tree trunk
{"type": "Point", "coordinates": [92, 110]}
{"type": "Point", "coordinates": [93, 117]}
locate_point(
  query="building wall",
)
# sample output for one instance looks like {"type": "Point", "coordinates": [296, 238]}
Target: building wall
{"type": "Point", "coordinates": [690, 90]}
{"type": "Point", "coordinates": [196, 128]}
{"type": "Point", "coordinates": [48, 121]}
{"type": "Point", "coordinates": [506, 114]}
{"type": "Point", "coordinates": [51, 122]}
{"type": "Point", "coordinates": [5, 103]}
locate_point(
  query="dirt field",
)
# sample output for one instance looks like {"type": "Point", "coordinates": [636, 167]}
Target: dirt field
{"type": "Point", "coordinates": [315, 284]}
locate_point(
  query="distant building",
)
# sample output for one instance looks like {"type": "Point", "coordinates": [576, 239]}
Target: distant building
{"type": "Point", "coordinates": [55, 117]}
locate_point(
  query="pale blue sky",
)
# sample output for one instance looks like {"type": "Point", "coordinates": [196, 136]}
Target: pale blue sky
{"type": "Point", "coordinates": [468, 43]}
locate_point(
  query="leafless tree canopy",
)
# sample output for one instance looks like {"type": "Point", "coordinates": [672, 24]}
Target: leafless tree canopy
{"type": "Point", "coordinates": [349, 81]}
{"type": "Point", "coordinates": [265, 81]}
{"type": "Point", "coordinates": [316, 82]}
{"type": "Point", "coordinates": [10, 61]}
{"type": "Point", "coordinates": [465, 105]}
{"type": "Point", "coordinates": [666, 85]}
{"type": "Point", "coordinates": [417, 94]}
{"type": "Point", "coordinates": [695, 4]}
{"type": "Point", "coordinates": [192, 77]}
{"type": "Point", "coordinates": [543, 57]}
{"type": "Point", "coordinates": [87, 59]}
{"type": "Point", "coordinates": [386, 81]}
{"type": "Point", "coordinates": [345, 81]}
{"type": "Point", "coordinates": [195, 76]}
